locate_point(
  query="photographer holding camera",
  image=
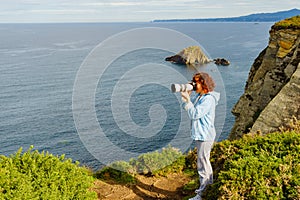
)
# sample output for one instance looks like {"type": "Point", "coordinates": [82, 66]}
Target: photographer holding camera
{"type": "Point", "coordinates": [201, 111]}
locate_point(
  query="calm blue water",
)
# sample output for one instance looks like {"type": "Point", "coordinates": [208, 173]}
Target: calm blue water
{"type": "Point", "coordinates": [38, 67]}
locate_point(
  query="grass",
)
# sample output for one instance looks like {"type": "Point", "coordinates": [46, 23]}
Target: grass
{"type": "Point", "coordinates": [293, 22]}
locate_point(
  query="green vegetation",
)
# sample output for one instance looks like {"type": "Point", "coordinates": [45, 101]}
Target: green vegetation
{"type": "Point", "coordinates": [293, 22]}
{"type": "Point", "coordinates": [169, 160]}
{"type": "Point", "coordinates": [118, 172]}
{"type": "Point", "coordinates": [254, 167]}
{"type": "Point", "coordinates": [258, 167]}
{"type": "Point", "coordinates": [34, 175]}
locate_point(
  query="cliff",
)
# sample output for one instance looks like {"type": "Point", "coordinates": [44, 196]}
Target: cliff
{"type": "Point", "coordinates": [272, 91]}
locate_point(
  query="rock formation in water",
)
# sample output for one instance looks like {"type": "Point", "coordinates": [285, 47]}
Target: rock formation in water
{"type": "Point", "coordinates": [190, 55]}
{"type": "Point", "coordinates": [272, 91]}
{"type": "Point", "coordinates": [221, 61]}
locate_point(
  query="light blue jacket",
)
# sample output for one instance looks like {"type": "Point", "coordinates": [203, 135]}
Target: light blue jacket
{"type": "Point", "coordinates": [201, 110]}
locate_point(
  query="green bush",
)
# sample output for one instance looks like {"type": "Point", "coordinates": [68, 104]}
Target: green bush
{"type": "Point", "coordinates": [169, 160]}
{"type": "Point", "coordinates": [120, 171]}
{"type": "Point", "coordinates": [257, 167]}
{"type": "Point", "coordinates": [159, 163]}
{"type": "Point", "coordinates": [34, 175]}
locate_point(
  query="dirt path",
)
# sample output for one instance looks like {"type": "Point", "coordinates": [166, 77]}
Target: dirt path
{"type": "Point", "coordinates": [145, 188]}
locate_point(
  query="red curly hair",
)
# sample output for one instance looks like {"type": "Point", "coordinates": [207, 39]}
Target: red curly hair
{"type": "Point", "coordinates": [205, 80]}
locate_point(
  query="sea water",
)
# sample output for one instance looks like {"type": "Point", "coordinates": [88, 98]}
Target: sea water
{"type": "Point", "coordinates": [38, 68]}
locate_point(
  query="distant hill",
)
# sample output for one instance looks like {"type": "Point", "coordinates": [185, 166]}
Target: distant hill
{"type": "Point", "coordinates": [259, 17]}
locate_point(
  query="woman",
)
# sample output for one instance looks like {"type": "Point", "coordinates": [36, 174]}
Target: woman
{"type": "Point", "coordinates": [201, 111]}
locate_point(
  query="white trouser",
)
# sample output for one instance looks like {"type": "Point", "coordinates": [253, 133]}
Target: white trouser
{"type": "Point", "coordinates": [203, 164]}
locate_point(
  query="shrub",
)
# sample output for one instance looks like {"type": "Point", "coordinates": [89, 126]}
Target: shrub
{"type": "Point", "coordinates": [120, 171]}
{"type": "Point", "coordinates": [292, 125]}
{"type": "Point", "coordinates": [169, 160]}
{"type": "Point", "coordinates": [159, 163]}
{"type": "Point", "coordinates": [34, 175]}
{"type": "Point", "coordinates": [257, 167]}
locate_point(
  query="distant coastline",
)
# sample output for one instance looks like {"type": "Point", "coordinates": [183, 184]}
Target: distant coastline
{"type": "Point", "coordinates": [259, 17]}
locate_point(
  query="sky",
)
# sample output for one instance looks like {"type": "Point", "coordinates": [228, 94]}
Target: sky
{"type": "Point", "coordinates": [46, 11]}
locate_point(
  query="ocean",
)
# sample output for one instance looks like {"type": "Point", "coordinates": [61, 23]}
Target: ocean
{"type": "Point", "coordinates": [51, 97]}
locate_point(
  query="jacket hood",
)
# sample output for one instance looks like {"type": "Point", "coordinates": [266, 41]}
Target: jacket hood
{"type": "Point", "coordinates": [216, 96]}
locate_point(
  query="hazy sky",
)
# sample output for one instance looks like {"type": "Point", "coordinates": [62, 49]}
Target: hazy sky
{"type": "Point", "coordinates": [132, 10]}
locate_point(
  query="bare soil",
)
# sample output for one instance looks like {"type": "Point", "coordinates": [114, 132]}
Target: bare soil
{"type": "Point", "coordinates": [163, 188]}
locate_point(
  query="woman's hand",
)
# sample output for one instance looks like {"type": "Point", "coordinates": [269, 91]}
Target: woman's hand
{"type": "Point", "coordinates": [186, 96]}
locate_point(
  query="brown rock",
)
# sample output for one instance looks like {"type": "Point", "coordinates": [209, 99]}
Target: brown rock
{"type": "Point", "coordinates": [272, 90]}
{"type": "Point", "coordinates": [280, 109]}
{"type": "Point", "coordinates": [221, 61]}
{"type": "Point", "coordinates": [190, 55]}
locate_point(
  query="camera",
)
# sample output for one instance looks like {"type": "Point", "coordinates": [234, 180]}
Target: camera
{"type": "Point", "coordinates": [183, 87]}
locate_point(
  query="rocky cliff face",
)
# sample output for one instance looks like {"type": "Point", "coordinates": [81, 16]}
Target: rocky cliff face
{"type": "Point", "coordinates": [272, 91]}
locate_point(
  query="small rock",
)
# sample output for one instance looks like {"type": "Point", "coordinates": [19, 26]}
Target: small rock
{"type": "Point", "coordinates": [221, 61]}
